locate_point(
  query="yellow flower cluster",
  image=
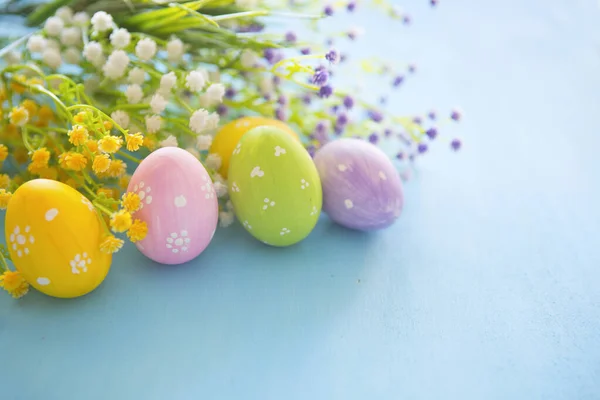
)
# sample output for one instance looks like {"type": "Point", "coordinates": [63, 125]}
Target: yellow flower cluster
{"type": "Point", "coordinates": [14, 284]}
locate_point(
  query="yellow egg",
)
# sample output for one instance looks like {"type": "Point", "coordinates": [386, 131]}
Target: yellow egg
{"type": "Point", "coordinates": [230, 134]}
{"type": "Point", "coordinates": [53, 234]}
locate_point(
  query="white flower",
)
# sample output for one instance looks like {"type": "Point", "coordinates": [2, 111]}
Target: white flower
{"type": "Point", "coordinates": [174, 50]}
{"type": "Point", "coordinates": [215, 92]}
{"type": "Point", "coordinates": [158, 104]}
{"type": "Point", "coordinates": [120, 38]}
{"type": "Point", "coordinates": [249, 59]}
{"type": "Point", "coordinates": [203, 143]}
{"type": "Point", "coordinates": [121, 118]}
{"type": "Point", "coordinates": [52, 57]}
{"type": "Point", "coordinates": [171, 141]}
{"type": "Point", "coordinates": [65, 13]}
{"type": "Point", "coordinates": [229, 205]}
{"type": "Point", "coordinates": [220, 189]}
{"type": "Point", "coordinates": [145, 49]}
{"type": "Point", "coordinates": [116, 64]}
{"type": "Point", "coordinates": [137, 76]}
{"type": "Point", "coordinates": [54, 26]}
{"type": "Point", "coordinates": [266, 85]}
{"type": "Point", "coordinates": [198, 120]}
{"type": "Point", "coordinates": [153, 123]}
{"type": "Point", "coordinates": [213, 121]}
{"type": "Point", "coordinates": [36, 44]}
{"type": "Point", "coordinates": [167, 82]}
{"type": "Point", "coordinates": [226, 218]}
{"type": "Point", "coordinates": [81, 18]}
{"type": "Point", "coordinates": [193, 152]}
{"type": "Point", "coordinates": [134, 93]}
{"type": "Point", "coordinates": [102, 21]}
{"type": "Point", "coordinates": [196, 80]}
{"type": "Point", "coordinates": [70, 36]}
{"type": "Point", "coordinates": [213, 161]}
{"type": "Point", "coordinates": [72, 55]}
{"type": "Point", "coordinates": [52, 44]}
{"type": "Point", "coordinates": [92, 51]}
{"type": "Point", "coordinates": [13, 57]}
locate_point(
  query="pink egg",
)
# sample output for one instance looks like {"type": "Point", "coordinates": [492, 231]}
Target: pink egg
{"type": "Point", "coordinates": [179, 205]}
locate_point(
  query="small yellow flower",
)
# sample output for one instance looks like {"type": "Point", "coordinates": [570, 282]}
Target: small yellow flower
{"type": "Point", "coordinates": [3, 152]}
{"type": "Point", "coordinates": [21, 155]}
{"type": "Point", "coordinates": [101, 163]}
{"type": "Point", "coordinates": [75, 161]}
{"type": "Point", "coordinates": [40, 157]}
{"type": "Point", "coordinates": [35, 169]}
{"type": "Point", "coordinates": [45, 114]}
{"type": "Point", "coordinates": [110, 144]}
{"type": "Point", "coordinates": [11, 132]}
{"type": "Point", "coordinates": [16, 86]}
{"type": "Point", "coordinates": [107, 125]}
{"type": "Point", "coordinates": [120, 221]}
{"type": "Point", "coordinates": [19, 116]}
{"type": "Point", "coordinates": [80, 117]}
{"type": "Point", "coordinates": [116, 169]}
{"type": "Point", "coordinates": [92, 145]}
{"type": "Point", "coordinates": [2, 95]}
{"type": "Point", "coordinates": [49, 173]}
{"type": "Point", "coordinates": [4, 181]}
{"type": "Point", "coordinates": [131, 201]}
{"type": "Point", "coordinates": [4, 198]}
{"type": "Point", "coordinates": [78, 135]}
{"type": "Point", "coordinates": [124, 182]}
{"type": "Point", "coordinates": [134, 141]}
{"type": "Point", "coordinates": [35, 81]}
{"type": "Point", "coordinates": [108, 193]}
{"type": "Point", "coordinates": [14, 284]}
{"type": "Point", "coordinates": [30, 106]}
{"type": "Point", "coordinates": [111, 245]}
{"type": "Point", "coordinates": [138, 231]}
{"type": "Point", "coordinates": [150, 142]}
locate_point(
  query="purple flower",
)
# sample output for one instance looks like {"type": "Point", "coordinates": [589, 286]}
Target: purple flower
{"type": "Point", "coordinates": [230, 92]}
{"type": "Point", "coordinates": [431, 133]}
{"type": "Point", "coordinates": [339, 129]}
{"type": "Point", "coordinates": [400, 156]}
{"type": "Point", "coordinates": [321, 127]}
{"type": "Point", "coordinates": [373, 138]}
{"type": "Point", "coordinates": [348, 102]}
{"type": "Point", "coordinates": [222, 109]}
{"type": "Point", "coordinates": [321, 76]}
{"type": "Point", "coordinates": [282, 100]}
{"type": "Point", "coordinates": [325, 91]}
{"type": "Point", "coordinates": [382, 100]}
{"type": "Point", "coordinates": [375, 116]}
{"type": "Point", "coordinates": [406, 19]}
{"type": "Point", "coordinates": [343, 57]}
{"type": "Point", "coordinates": [329, 42]}
{"type": "Point", "coordinates": [412, 68]}
{"type": "Point", "coordinates": [422, 148]}
{"type": "Point", "coordinates": [456, 144]}
{"type": "Point", "coordinates": [431, 115]}
{"type": "Point", "coordinates": [398, 81]}
{"type": "Point", "coordinates": [387, 132]}
{"type": "Point", "coordinates": [311, 150]}
{"type": "Point", "coordinates": [433, 3]}
{"type": "Point", "coordinates": [306, 99]}
{"type": "Point", "coordinates": [351, 6]}
{"type": "Point", "coordinates": [417, 120]}
{"type": "Point", "coordinates": [269, 55]}
{"type": "Point", "coordinates": [335, 109]}
{"type": "Point", "coordinates": [333, 56]}
{"type": "Point", "coordinates": [276, 80]}
{"type": "Point", "coordinates": [342, 119]}
{"type": "Point", "coordinates": [290, 37]}
{"type": "Point", "coordinates": [305, 51]}
{"type": "Point", "coordinates": [328, 10]}
{"type": "Point", "coordinates": [455, 115]}
{"type": "Point", "coordinates": [280, 114]}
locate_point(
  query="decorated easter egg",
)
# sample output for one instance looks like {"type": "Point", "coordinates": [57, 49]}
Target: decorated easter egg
{"type": "Point", "coordinates": [361, 187]}
{"type": "Point", "coordinates": [230, 134]}
{"type": "Point", "coordinates": [178, 204]}
{"type": "Point", "coordinates": [53, 234]}
{"type": "Point", "coordinates": [274, 187]}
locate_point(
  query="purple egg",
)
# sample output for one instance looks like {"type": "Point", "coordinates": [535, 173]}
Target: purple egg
{"type": "Point", "coordinates": [361, 187]}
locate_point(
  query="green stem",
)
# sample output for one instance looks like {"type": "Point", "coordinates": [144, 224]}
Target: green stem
{"type": "Point", "coordinates": [129, 156]}
{"type": "Point", "coordinates": [3, 263]}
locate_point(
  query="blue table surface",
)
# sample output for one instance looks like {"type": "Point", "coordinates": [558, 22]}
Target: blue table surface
{"type": "Point", "coordinates": [486, 288]}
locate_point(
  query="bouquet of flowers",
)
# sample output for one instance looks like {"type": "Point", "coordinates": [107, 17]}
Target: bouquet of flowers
{"type": "Point", "coordinates": [98, 87]}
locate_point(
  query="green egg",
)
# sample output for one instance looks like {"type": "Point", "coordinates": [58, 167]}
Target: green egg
{"type": "Point", "coordinates": [274, 187]}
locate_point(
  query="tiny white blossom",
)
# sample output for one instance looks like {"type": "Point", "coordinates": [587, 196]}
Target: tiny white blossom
{"type": "Point", "coordinates": [120, 38]}
{"type": "Point", "coordinates": [65, 13]}
{"type": "Point", "coordinates": [52, 58]}
{"type": "Point", "coordinates": [121, 118]}
{"type": "Point", "coordinates": [174, 50]}
{"type": "Point", "coordinates": [13, 57]}
{"type": "Point", "coordinates": [198, 120]}
{"type": "Point", "coordinates": [213, 161]}
{"type": "Point", "coordinates": [36, 44]}
{"type": "Point", "coordinates": [203, 142]}
{"type": "Point", "coordinates": [153, 123]}
{"type": "Point", "coordinates": [249, 59]}
{"type": "Point", "coordinates": [266, 85]}
{"type": "Point", "coordinates": [213, 121]}
{"type": "Point", "coordinates": [54, 26]}
{"type": "Point", "coordinates": [229, 205]}
{"type": "Point", "coordinates": [70, 36]}
{"type": "Point", "coordinates": [158, 104]}
{"type": "Point", "coordinates": [134, 93]}
{"type": "Point", "coordinates": [116, 64]}
{"type": "Point", "coordinates": [92, 51]}
{"type": "Point", "coordinates": [102, 21]}
{"type": "Point", "coordinates": [226, 218]}
{"type": "Point", "coordinates": [52, 44]}
{"type": "Point", "coordinates": [215, 92]}
{"type": "Point", "coordinates": [220, 189]}
{"type": "Point", "coordinates": [171, 141]}
{"type": "Point", "coordinates": [145, 49]}
{"type": "Point", "coordinates": [137, 76]}
{"type": "Point", "coordinates": [81, 19]}
{"type": "Point", "coordinates": [72, 55]}
{"type": "Point", "coordinates": [195, 80]}
{"type": "Point", "coordinates": [193, 152]}
{"type": "Point", "coordinates": [167, 82]}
